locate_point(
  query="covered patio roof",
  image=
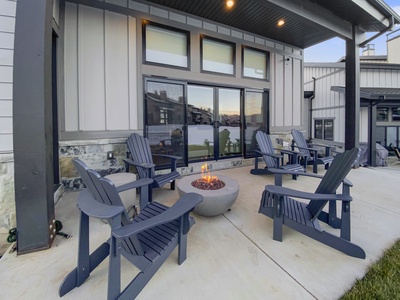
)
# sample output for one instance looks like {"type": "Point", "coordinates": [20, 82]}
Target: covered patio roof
{"type": "Point", "coordinates": [307, 23]}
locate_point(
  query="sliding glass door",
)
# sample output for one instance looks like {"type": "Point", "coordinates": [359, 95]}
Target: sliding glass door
{"type": "Point", "coordinates": [255, 118]}
{"type": "Point", "coordinates": [202, 122]}
{"type": "Point", "coordinates": [165, 118]}
{"type": "Point", "coordinates": [214, 122]}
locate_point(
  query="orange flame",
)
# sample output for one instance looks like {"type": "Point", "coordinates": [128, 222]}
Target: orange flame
{"type": "Point", "coordinates": [205, 174]}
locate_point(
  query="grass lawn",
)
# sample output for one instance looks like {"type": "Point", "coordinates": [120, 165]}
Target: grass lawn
{"type": "Point", "coordinates": [382, 280]}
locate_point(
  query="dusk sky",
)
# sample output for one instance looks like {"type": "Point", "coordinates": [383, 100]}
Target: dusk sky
{"type": "Point", "coordinates": [334, 49]}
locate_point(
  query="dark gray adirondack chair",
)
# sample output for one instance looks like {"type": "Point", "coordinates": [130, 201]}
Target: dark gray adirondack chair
{"type": "Point", "coordinates": [146, 241]}
{"type": "Point", "coordinates": [141, 157]}
{"type": "Point", "coordinates": [272, 160]}
{"type": "Point", "coordinates": [304, 217]}
{"type": "Point", "coordinates": [310, 155]}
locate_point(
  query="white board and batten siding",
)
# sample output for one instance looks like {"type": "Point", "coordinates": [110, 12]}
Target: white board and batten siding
{"type": "Point", "coordinates": [286, 92]}
{"type": "Point", "coordinates": [100, 70]}
{"type": "Point", "coordinates": [7, 27]}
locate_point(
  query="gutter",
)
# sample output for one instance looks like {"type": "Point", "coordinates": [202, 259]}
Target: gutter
{"type": "Point", "coordinates": [391, 23]}
{"type": "Point", "coordinates": [310, 111]}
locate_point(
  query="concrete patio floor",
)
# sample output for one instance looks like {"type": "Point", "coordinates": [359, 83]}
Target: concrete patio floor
{"type": "Point", "coordinates": [230, 256]}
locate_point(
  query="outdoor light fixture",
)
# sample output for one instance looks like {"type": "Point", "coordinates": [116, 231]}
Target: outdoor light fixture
{"type": "Point", "coordinates": [230, 3]}
{"type": "Point", "coordinates": [281, 23]}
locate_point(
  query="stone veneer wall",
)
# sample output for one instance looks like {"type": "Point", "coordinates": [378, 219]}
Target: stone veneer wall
{"type": "Point", "coordinates": [7, 195]}
{"type": "Point", "coordinates": [94, 154]}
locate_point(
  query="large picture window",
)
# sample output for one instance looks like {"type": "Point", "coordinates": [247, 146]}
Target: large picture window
{"type": "Point", "coordinates": [255, 63]}
{"type": "Point", "coordinates": [217, 56]}
{"type": "Point", "coordinates": [166, 46]}
{"type": "Point", "coordinates": [323, 129]}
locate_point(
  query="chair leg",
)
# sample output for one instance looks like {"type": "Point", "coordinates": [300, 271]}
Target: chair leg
{"type": "Point", "coordinates": [278, 218]}
{"type": "Point", "coordinates": [86, 263]}
{"type": "Point", "coordinates": [182, 241]}
{"type": "Point", "coordinates": [173, 185]}
{"type": "Point", "coordinates": [114, 270]}
{"type": "Point", "coordinates": [345, 228]}
{"type": "Point", "coordinates": [315, 166]}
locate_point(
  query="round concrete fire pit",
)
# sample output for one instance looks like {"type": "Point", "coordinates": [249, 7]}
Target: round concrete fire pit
{"type": "Point", "coordinates": [215, 202]}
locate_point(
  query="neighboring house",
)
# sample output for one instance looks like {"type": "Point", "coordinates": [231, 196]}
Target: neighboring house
{"type": "Point", "coordinates": [324, 83]}
{"type": "Point", "coordinates": [81, 75]}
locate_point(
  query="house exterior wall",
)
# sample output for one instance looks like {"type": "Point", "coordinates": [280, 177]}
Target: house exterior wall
{"type": "Point", "coordinates": [105, 96]}
{"type": "Point", "coordinates": [330, 104]}
{"type": "Point", "coordinates": [102, 97]}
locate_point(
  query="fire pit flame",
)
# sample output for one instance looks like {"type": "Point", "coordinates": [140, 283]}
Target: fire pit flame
{"type": "Point", "coordinates": [206, 175]}
{"type": "Point", "coordinates": [207, 182]}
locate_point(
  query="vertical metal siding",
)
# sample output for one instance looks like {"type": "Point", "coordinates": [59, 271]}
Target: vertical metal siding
{"type": "Point", "coordinates": [100, 70]}
{"type": "Point", "coordinates": [7, 27]}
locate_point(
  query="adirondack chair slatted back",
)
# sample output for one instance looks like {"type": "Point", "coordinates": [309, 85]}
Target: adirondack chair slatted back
{"type": "Point", "coordinates": [300, 141]}
{"type": "Point", "coordinates": [83, 173]}
{"type": "Point", "coordinates": [333, 177]}
{"type": "Point", "coordinates": [140, 152]}
{"type": "Point", "coordinates": [265, 145]}
{"type": "Point", "coordinates": [95, 179]}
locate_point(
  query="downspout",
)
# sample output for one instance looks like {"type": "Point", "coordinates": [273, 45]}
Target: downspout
{"type": "Point", "coordinates": [391, 23]}
{"type": "Point", "coordinates": [310, 112]}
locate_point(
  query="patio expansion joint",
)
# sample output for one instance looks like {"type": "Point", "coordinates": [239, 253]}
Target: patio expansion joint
{"type": "Point", "coordinates": [266, 254]}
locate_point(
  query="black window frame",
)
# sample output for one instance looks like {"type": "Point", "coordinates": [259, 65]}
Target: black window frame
{"type": "Point", "coordinates": [146, 23]}
{"type": "Point", "coordinates": [202, 37]}
{"type": "Point", "coordinates": [323, 129]}
{"type": "Point", "coordinates": [381, 109]}
{"type": "Point", "coordinates": [268, 66]}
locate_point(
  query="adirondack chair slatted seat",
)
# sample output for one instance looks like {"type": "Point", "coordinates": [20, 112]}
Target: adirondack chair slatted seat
{"type": "Point", "coordinates": [146, 241]}
{"type": "Point", "coordinates": [272, 160]}
{"type": "Point", "coordinates": [309, 155]}
{"type": "Point", "coordinates": [276, 203]}
{"type": "Point", "coordinates": [140, 156]}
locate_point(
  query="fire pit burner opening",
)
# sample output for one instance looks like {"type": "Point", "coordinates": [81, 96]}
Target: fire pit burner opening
{"type": "Point", "coordinates": [205, 185]}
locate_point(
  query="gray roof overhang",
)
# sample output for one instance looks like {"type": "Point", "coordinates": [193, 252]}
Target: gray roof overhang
{"type": "Point", "coordinates": [307, 22]}
{"type": "Point", "coordinates": [368, 95]}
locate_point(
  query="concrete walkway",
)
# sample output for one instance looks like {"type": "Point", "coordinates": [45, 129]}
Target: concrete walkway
{"type": "Point", "coordinates": [230, 256]}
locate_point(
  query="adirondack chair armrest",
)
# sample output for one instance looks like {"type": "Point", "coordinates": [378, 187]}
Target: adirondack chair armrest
{"type": "Point", "coordinates": [140, 165]}
{"type": "Point", "coordinates": [184, 205]}
{"type": "Point", "coordinates": [95, 209]}
{"type": "Point", "coordinates": [134, 184]}
{"type": "Point", "coordinates": [293, 156]}
{"type": "Point", "coordinates": [174, 157]}
{"type": "Point", "coordinates": [347, 182]}
{"type": "Point", "coordinates": [279, 190]}
{"type": "Point", "coordinates": [322, 145]}
{"type": "Point", "coordinates": [289, 172]}
{"type": "Point", "coordinates": [328, 148]}
{"type": "Point", "coordinates": [289, 152]}
{"type": "Point", "coordinates": [278, 156]}
{"type": "Point", "coordinates": [307, 148]}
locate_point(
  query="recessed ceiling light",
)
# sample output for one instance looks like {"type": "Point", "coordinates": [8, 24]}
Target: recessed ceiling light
{"type": "Point", "coordinates": [281, 23]}
{"type": "Point", "coordinates": [230, 3]}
